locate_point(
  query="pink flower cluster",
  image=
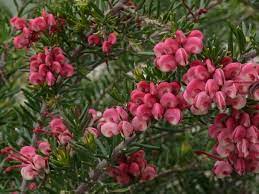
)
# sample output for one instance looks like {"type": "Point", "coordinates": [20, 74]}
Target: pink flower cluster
{"type": "Point", "coordinates": [173, 52]}
{"type": "Point", "coordinates": [31, 163]}
{"type": "Point", "coordinates": [30, 31]}
{"type": "Point", "coordinates": [116, 121]}
{"type": "Point", "coordinates": [60, 131]}
{"type": "Point", "coordinates": [46, 67]}
{"type": "Point", "coordinates": [57, 129]}
{"type": "Point", "coordinates": [223, 86]}
{"type": "Point", "coordinates": [156, 101]}
{"type": "Point", "coordinates": [94, 40]}
{"type": "Point", "coordinates": [237, 138]}
{"type": "Point", "coordinates": [148, 101]}
{"type": "Point", "coordinates": [131, 168]}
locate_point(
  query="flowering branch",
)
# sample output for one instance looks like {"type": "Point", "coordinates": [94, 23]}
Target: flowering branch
{"type": "Point", "coordinates": [33, 143]}
{"type": "Point", "coordinates": [83, 187]}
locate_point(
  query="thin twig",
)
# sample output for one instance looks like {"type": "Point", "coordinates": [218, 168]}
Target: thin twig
{"type": "Point", "coordinates": [211, 5]}
{"type": "Point", "coordinates": [189, 10]}
{"type": "Point", "coordinates": [248, 56]}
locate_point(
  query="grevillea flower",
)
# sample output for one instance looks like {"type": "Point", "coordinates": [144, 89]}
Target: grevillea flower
{"type": "Point", "coordinates": [133, 167]}
{"type": "Point", "coordinates": [30, 31]}
{"type": "Point", "coordinates": [107, 44]}
{"type": "Point", "coordinates": [18, 23]}
{"type": "Point", "coordinates": [237, 137]}
{"type": "Point", "coordinates": [60, 131]}
{"type": "Point", "coordinates": [173, 52]}
{"type": "Point", "coordinates": [30, 163]}
{"type": "Point", "coordinates": [46, 67]}
{"type": "Point", "coordinates": [44, 147]}
{"type": "Point", "coordinates": [93, 39]}
{"type": "Point", "coordinates": [225, 87]}
{"type": "Point", "coordinates": [148, 101]}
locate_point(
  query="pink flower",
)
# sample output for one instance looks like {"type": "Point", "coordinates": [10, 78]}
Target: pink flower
{"type": "Point", "coordinates": [193, 45]}
{"type": "Point", "coordinates": [28, 151]}
{"type": "Point", "coordinates": [238, 103]}
{"type": "Point", "coordinates": [181, 57]}
{"type": "Point", "coordinates": [232, 70]}
{"type": "Point", "coordinates": [112, 38]}
{"type": "Point", "coordinates": [255, 94]}
{"type": "Point", "coordinates": [57, 125]}
{"type": "Point", "coordinates": [149, 100]}
{"type": "Point", "coordinates": [169, 100]}
{"type": "Point", "coordinates": [95, 132]}
{"type": "Point", "coordinates": [110, 129]}
{"type": "Point", "coordinates": [157, 111]}
{"type": "Point", "coordinates": [126, 128]}
{"type": "Point", "coordinates": [144, 112]}
{"type": "Point", "coordinates": [222, 169]}
{"type": "Point", "coordinates": [211, 87]}
{"type": "Point", "coordinates": [193, 88]}
{"type": "Point", "coordinates": [226, 60]}
{"type": "Point", "coordinates": [21, 41]}
{"type": "Point", "coordinates": [112, 115]}
{"type": "Point", "coordinates": [249, 72]}
{"type": "Point", "coordinates": [255, 119]}
{"type": "Point", "coordinates": [170, 46]}
{"type": "Point", "coordinates": [159, 49]}
{"type": "Point", "coordinates": [38, 24]}
{"type": "Point", "coordinates": [139, 124]}
{"type": "Point", "coordinates": [44, 147]}
{"type": "Point", "coordinates": [213, 131]}
{"type": "Point", "coordinates": [239, 133]}
{"type": "Point", "coordinates": [237, 140]}
{"type": "Point", "coordinates": [134, 169]}
{"type": "Point", "coordinates": [50, 78]}
{"type": "Point", "coordinates": [137, 96]}
{"type": "Point", "coordinates": [143, 86]}
{"type": "Point", "coordinates": [149, 173]}
{"type": "Point", "coordinates": [36, 78]}
{"type": "Point", "coordinates": [201, 72]}
{"type": "Point", "coordinates": [230, 89]}
{"type": "Point", "coordinates": [123, 179]}
{"type": "Point", "coordinates": [252, 134]}
{"type": "Point", "coordinates": [38, 162]}
{"type": "Point", "coordinates": [67, 70]}
{"type": "Point", "coordinates": [50, 19]}
{"type": "Point", "coordinates": [164, 87]}
{"type": "Point", "coordinates": [173, 116]}
{"type": "Point", "coordinates": [166, 63]}
{"type": "Point", "coordinates": [93, 39]}
{"type": "Point", "coordinates": [180, 37]}
{"type": "Point", "coordinates": [242, 147]}
{"type": "Point", "coordinates": [240, 166]}
{"type": "Point", "coordinates": [106, 46]}
{"type": "Point", "coordinates": [220, 100]}
{"type": "Point", "coordinates": [196, 33]}
{"type": "Point", "coordinates": [64, 138]}
{"type": "Point", "coordinates": [202, 102]}
{"type": "Point", "coordinates": [123, 114]}
{"type": "Point", "coordinates": [32, 186]}
{"type": "Point", "coordinates": [245, 119]}
{"type": "Point", "coordinates": [210, 66]}
{"type": "Point", "coordinates": [18, 23]}
{"type": "Point", "coordinates": [219, 76]}
{"type": "Point", "coordinates": [28, 172]}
